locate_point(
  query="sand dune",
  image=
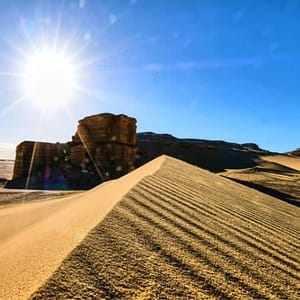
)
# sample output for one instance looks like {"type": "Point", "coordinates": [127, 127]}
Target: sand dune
{"type": "Point", "coordinates": [277, 175]}
{"type": "Point", "coordinates": [35, 237]}
{"type": "Point", "coordinates": [185, 233]}
{"type": "Point", "coordinates": [286, 160]}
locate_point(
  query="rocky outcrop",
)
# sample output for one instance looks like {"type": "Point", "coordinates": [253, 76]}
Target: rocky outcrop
{"type": "Point", "coordinates": [40, 165]}
{"type": "Point", "coordinates": [102, 148]}
{"type": "Point", "coordinates": [105, 128]}
{"type": "Point", "coordinates": [33, 157]}
{"type": "Point", "coordinates": [295, 152]}
{"type": "Point", "coordinates": [107, 142]}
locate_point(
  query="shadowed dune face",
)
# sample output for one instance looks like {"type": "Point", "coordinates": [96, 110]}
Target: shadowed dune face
{"type": "Point", "coordinates": [285, 160]}
{"type": "Point", "coordinates": [185, 233]}
{"type": "Point", "coordinates": [277, 175]}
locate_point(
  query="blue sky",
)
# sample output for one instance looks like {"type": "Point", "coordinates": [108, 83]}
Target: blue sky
{"type": "Point", "coordinates": [222, 70]}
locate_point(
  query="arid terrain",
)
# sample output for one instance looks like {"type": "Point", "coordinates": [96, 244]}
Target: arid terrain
{"type": "Point", "coordinates": [35, 236]}
{"type": "Point", "coordinates": [168, 230]}
{"type": "Point", "coordinates": [6, 171]}
{"type": "Point", "coordinates": [276, 175]}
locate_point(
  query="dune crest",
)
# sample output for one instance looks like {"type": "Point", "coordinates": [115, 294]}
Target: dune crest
{"type": "Point", "coordinates": [288, 161]}
{"type": "Point", "coordinates": [185, 233]}
{"type": "Point", "coordinates": [29, 254]}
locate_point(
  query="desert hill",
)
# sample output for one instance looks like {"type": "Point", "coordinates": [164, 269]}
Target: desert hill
{"type": "Point", "coordinates": [290, 161]}
{"type": "Point", "coordinates": [178, 232]}
{"type": "Point", "coordinates": [295, 152]}
{"type": "Point", "coordinates": [276, 175]}
{"type": "Point", "coordinates": [215, 156]}
{"type": "Point", "coordinates": [36, 235]}
{"type": "Point", "coordinates": [247, 163]}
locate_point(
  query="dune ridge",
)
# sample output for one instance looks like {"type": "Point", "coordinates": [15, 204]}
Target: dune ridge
{"type": "Point", "coordinates": [286, 160]}
{"type": "Point", "coordinates": [185, 233]}
{"type": "Point", "coordinates": [36, 237]}
{"type": "Point", "coordinates": [277, 175]}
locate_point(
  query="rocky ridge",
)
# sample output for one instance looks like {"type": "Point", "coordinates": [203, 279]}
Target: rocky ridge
{"type": "Point", "coordinates": [215, 156]}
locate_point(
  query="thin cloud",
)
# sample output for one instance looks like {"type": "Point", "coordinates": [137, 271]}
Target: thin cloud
{"type": "Point", "coordinates": [215, 64]}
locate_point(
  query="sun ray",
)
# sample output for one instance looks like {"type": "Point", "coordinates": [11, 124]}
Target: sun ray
{"type": "Point", "coordinates": [79, 51]}
{"type": "Point", "coordinates": [58, 27]}
{"type": "Point", "coordinates": [99, 58]}
{"type": "Point", "coordinates": [11, 74]}
{"type": "Point", "coordinates": [83, 90]}
{"type": "Point", "coordinates": [28, 38]}
{"type": "Point", "coordinates": [18, 49]}
{"type": "Point", "coordinates": [12, 105]}
{"type": "Point", "coordinates": [27, 184]}
{"type": "Point", "coordinates": [90, 156]}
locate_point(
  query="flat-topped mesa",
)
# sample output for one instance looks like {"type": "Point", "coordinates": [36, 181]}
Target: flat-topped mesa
{"type": "Point", "coordinates": [103, 128]}
{"type": "Point", "coordinates": [104, 147]}
{"type": "Point", "coordinates": [35, 157]}
{"type": "Point", "coordinates": [107, 140]}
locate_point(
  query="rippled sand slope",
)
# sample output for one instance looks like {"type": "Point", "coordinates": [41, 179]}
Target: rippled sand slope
{"type": "Point", "coordinates": [185, 233]}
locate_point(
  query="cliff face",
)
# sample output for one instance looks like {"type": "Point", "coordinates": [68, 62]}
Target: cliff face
{"type": "Point", "coordinates": [104, 128]}
{"type": "Point", "coordinates": [107, 141]}
{"type": "Point", "coordinates": [102, 148]}
{"type": "Point", "coordinates": [36, 157]}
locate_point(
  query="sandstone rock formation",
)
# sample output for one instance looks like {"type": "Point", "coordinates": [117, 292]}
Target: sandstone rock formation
{"type": "Point", "coordinates": [109, 143]}
{"type": "Point", "coordinates": [36, 157]}
{"type": "Point", "coordinates": [102, 148]}
{"type": "Point", "coordinates": [215, 156]}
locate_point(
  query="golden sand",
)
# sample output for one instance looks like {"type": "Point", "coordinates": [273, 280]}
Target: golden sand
{"type": "Point", "coordinates": [288, 161]}
{"type": "Point", "coordinates": [276, 175]}
{"type": "Point", "coordinates": [36, 237]}
{"type": "Point", "coordinates": [185, 233]}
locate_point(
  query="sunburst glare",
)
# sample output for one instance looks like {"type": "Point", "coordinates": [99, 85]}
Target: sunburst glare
{"type": "Point", "coordinates": [49, 79]}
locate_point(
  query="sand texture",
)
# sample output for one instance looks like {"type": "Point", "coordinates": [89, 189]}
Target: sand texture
{"type": "Point", "coordinates": [185, 233]}
{"type": "Point", "coordinates": [286, 160]}
{"type": "Point", "coordinates": [9, 197]}
{"type": "Point", "coordinates": [35, 237]}
{"type": "Point", "coordinates": [279, 180]}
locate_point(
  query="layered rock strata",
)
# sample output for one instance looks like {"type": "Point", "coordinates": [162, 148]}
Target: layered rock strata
{"type": "Point", "coordinates": [108, 142]}
{"type": "Point", "coordinates": [102, 148]}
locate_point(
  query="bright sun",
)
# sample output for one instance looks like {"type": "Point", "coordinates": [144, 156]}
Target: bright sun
{"type": "Point", "coordinates": [49, 80]}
